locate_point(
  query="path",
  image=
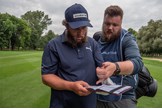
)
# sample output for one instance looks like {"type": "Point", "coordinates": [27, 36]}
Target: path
{"type": "Point", "coordinates": [158, 59]}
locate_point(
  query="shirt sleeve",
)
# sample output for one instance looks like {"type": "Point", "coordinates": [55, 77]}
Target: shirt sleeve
{"type": "Point", "coordinates": [97, 54]}
{"type": "Point", "coordinates": [132, 53]}
{"type": "Point", "coordinates": [50, 60]}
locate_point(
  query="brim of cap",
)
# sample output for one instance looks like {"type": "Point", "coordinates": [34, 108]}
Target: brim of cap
{"type": "Point", "coordinates": [79, 24]}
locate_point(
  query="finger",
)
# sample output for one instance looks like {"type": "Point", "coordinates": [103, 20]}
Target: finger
{"type": "Point", "coordinates": [84, 91]}
{"type": "Point", "coordinates": [83, 87]}
{"type": "Point", "coordinates": [105, 64]}
{"type": "Point", "coordinates": [99, 81]}
{"type": "Point", "coordinates": [100, 76]}
{"type": "Point", "coordinates": [84, 94]}
{"type": "Point", "coordinates": [100, 71]}
{"type": "Point", "coordinates": [84, 84]}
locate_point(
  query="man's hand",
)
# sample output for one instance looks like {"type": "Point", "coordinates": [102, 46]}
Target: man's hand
{"type": "Point", "coordinates": [105, 71]}
{"type": "Point", "coordinates": [80, 88]}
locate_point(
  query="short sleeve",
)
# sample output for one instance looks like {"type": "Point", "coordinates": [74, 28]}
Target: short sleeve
{"type": "Point", "coordinates": [97, 54]}
{"type": "Point", "coordinates": [50, 60]}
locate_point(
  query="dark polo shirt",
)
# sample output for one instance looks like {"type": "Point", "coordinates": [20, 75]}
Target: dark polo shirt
{"type": "Point", "coordinates": [72, 64]}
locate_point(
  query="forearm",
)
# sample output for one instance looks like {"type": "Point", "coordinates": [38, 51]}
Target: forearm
{"type": "Point", "coordinates": [56, 82]}
{"type": "Point", "coordinates": [108, 69]}
{"type": "Point", "coordinates": [126, 67]}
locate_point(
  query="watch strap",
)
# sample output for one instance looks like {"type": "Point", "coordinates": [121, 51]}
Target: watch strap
{"type": "Point", "coordinates": [117, 71]}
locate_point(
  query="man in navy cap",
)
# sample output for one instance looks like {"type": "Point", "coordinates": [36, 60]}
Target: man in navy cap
{"type": "Point", "coordinates": [65, 62]}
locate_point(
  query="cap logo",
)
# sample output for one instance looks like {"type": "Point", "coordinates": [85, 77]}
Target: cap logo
{"type": "Point", "coordinates": [80, 15]}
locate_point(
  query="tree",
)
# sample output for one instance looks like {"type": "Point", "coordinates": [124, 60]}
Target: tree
{"type": "Point", "coordinates": [47, 37]}
{"type": "Point", "coordinates": [12, 31]}
{"type": "Point", "coordinates": [6, 30]}
{"type": "Point", "coordinates": [150, 37]}
{"type": "Point", "coordinates": [134, 32]}
{"type": "Point", "coordinates": [38, 21]}
{"type": "Point", "coordinates": [21, 36]}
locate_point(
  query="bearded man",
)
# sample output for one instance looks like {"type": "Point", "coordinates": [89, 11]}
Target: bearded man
{"type": "Point", "coordinates": [69, 62]}
{"type": "Point", "coordinates": [122, 59]}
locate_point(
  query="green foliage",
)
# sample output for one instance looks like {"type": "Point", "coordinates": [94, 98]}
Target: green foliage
{"type": "Point", "coordinates": [47, 37]}
{"type": "Point", "coordinates": [13, 32]}
{"type": "Point", "coordinates": [6, 29]}
{"type": "Point", "coordinates": [150, 37]}
{"type": "Point", "coordinates": [24, 33]}
{"type": "Point", "coordinates": [38, 21]}
{"type": "Point", "coordinates": [134, 32]}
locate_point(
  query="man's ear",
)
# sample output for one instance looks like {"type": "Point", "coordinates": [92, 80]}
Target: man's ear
{"type": "Point", "coordinates": [64, 22]}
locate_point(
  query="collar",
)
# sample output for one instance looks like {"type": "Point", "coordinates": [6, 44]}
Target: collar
{"type": "Point", "coordinates": [64, 38]}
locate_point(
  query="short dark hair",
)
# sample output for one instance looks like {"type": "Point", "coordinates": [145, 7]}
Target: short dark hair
{"type": "Point", "coordinates": [114, 10]}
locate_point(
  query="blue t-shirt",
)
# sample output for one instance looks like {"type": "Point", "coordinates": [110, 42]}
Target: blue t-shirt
{"type": "Point", "coordinates": [72, 64]}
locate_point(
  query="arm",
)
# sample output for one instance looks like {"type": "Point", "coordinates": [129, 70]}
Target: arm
{"type": "Point", "coordinates": [126, 67]}
{"type": "Point", "coordinates": [55, 82]}
{"type": "Point", "coordinates": [132, 64]}
{"type": "Point", "coordinates": [132, 53]}
{"type": "Point", "coordinates": [108, 69]}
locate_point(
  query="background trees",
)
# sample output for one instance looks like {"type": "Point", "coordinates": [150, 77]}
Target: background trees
{"type": "Point", "coordinates": [134, 32]}
{"type": "Point", "coordinates": [150, 38]}
{"type": "Point", "coordinates": [13, 32]}
{"type": "Point", "coordinates": [38, 22]}
{"type": "Point", "coordinates": [27, 33]}
{"type": "Point", "coordinates": [44, 39]}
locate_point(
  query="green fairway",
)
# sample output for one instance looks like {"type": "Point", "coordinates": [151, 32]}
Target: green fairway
{"type": "Point", "coordinates": [21, 85]}
{"type": "Point", "coordinates": [20, 80]}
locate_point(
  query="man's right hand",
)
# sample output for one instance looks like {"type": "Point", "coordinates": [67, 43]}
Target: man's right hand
{"type": "Point", "coordinates": [105, 71]}
{"type": "Point", "coordinates": [80, 88]}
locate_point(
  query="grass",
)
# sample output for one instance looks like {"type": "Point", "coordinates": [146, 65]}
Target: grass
{"type": "Point", "coordinates": [155, 68]}
{"type": "Point", "coordinates": [21, 85]}
{"type": "Point", "coordinates": [20, 80]}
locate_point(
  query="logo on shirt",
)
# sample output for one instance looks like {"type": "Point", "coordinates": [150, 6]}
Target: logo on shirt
{"type": "Point", "coordinates": [111, 53]}
{"type": "Point", "coordinates": [89, 48]}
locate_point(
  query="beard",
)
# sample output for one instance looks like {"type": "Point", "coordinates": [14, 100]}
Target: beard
{"type": "Point", "coordinates": [72, 40]}
{"type": "Point", "coordinates": [109, 36]}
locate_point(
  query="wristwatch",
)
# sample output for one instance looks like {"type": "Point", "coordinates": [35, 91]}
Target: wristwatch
{"type": "Point", "coordinates": [117, 71]}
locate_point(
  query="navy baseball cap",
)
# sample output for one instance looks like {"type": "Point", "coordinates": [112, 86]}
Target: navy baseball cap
{"type": "Point", "coordinates": [77, 16]}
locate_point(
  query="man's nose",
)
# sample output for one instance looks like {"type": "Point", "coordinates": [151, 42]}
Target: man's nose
{"type": "Point", "coordinates": [80, 31]}
{"type": "Point", "coordinates": [110, 26]}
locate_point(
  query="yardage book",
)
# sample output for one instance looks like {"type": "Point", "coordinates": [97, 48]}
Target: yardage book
{"type": "Point", "coordinates": [110, 89]}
